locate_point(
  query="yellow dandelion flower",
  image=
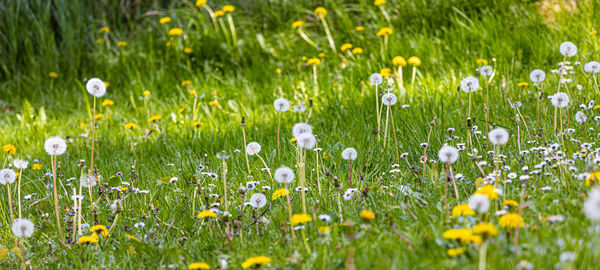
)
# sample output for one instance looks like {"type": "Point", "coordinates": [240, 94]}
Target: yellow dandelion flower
{"type": "Point", "coordinates": [399, 61]}
{"type": "Point", "coordinates": [485, 229]}
{"type": "Point", "coordinates": [594, 32]}
{"type": "Point", "coordinates": [181, 110]}
{"type": "Point", "coordinates": [379, 3]}
{"type": "Point", "coordinates": [314, 61]}
{"type": "Point", "coordinates": [121, 43]}
{"type": "Point", "coordinates": [511, 221]}
{"type": "Point", "coordinates": [200, 3]}
{"type": "Point", "coordinates": [346, 46]}
{"type": "Point", "coordinates": [104, 30]}
{"type": "Point", "coordinates": [324, 229]}
{"type": "Point", "coordinates": [228, 8]}
{"type": "Point", "coordinates": [9, 149]}
{"type": "Point", "coordinates": [99, 116]}
{"type": "Point", "coordinates": [510, 203]}
{"type": "Point", "coordinates": [188, 50]}
{"type": "Point", "coordinates": [596, 107]}
{"type": "Point", "coordinates": [279, 193]}
{"type": "Point", "coordinates": [300, 219]}
{"type": "Point", "coordinates": [482, 62]}
{"type": "Point", "coordinates": [87, 240]}
{"type": "Point", "coordinates": [131, 126]}
{"type": "Point", "coordinates": [293, 139]}
{"type": "Point", "coordinates": [386, 31]}
{"type": "Point", "coordinates": [594, 178]}
{"type": "Point", "coordinates": [297, 24]}
{"type": "Point", "coordinates": [213, 103]}
{"type": "Point", "coordinates": [197, 124]}
{"type": "Point", "coordinates": [359, 28]}
{"type": "Point", "coordinates": [489, 191]}
{"type": "Point", "coordinates": [322, 55]}
{"type": "Point", "coordinates": [278, 70]}
{"type": "Point", "coordinates": [53, 75]}
{"type": "Point", "coordinates": [154, 118]}
{"type": "Point", "coordinates": [99, 41]}
{"type": "Point", "coordinates": [107, 102]}
{"type": "Point", "coordinates": [146, 93]}
{"type": "Point", "coordinates": [164, 20]}
{"type": "Point", "coordinates": [36, 166]}
{"type": "Point", "coordinates": [186, 83]}
{"type": "Point", "coordinates": [357, 50]}
{"type": "Point", "coordinates": [193, 92]}
{"type": "Point", "coordinates": [522, 84]}
{"type": "Point", "coordinates": [175, 31]}
{"type": "Point", "coordinates": [321, 12]}
{"type": "Point", "coordinates": [207, 214]}
{"type": "Point", "coordinates": [385, 72]}
{"type": "Point", "coordinates": [453, 252]}
{"type": "Point", "coordinates": [17, 174]}
{"type": "Point", "coordinates": [123, 189]}
{"type": "Point", "coordinates": [463, 235]}
{"type": "Point", "coordinates": [256, 261]}
{"type": "Point", "coordinates": [199, 265]}
{"type": "Point", "coordinates": [106, 84]}
{"type": "Point", "coordinates": [462, 210]}
{"type": "Point", "coordinates": [100, 230]}
{"type": "Point", "coordinates": [367, 215]}
{"type": "Point", "coordinates": [219, 13]}
{"type": "Point", "coordinates": [414, 61]}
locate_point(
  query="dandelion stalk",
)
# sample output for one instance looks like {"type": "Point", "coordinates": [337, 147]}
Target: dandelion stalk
{"type": "Point", "coordinates": [56, 210]}
{"type": "Point", "coordinates": [306, 37]}
{"type": "Point", "coordinates": [315, 81]}
{"type": "Point", "coordinates": [10, 209]}
{"type": "Point", "coordinates": [91, 171]}
{"type": "Point", "coordinates": [232, 28]}
{"type": "Point", "coordinates": [19, 192]}
{"type": "Point", "coordinates": [412, 83]}
{"type": "Point", "coordinates": [243, 124]}
{"type": "Point", "coordinates": [289, 207]}
{"type": "Point", "coordinates": [302, 178]}
{"type": "Point", "coordinates": [387, 117]}
{"type": "Point", "coordinates": [278, 136]}
{"type": "Point", "coordinates": [482, 255]}
{"type": "Point", "coordinates": [305, 242]}
{"type": "Point", "coordinates": [377, 111]}
{"type": "Point", "coordinates": [395, 139]}
{"type": "Point", "coordinates": [266, 167]}
{"type": "Point", "coordinates": [328, 33]}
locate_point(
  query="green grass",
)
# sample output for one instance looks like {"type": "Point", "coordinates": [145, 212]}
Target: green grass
{"type": "Point", "coordinates": [39, 37]}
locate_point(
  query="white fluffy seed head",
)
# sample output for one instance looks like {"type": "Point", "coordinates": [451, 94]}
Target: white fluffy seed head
{"type": "Point", "coordinates": [376, 79]}
{"type": "Point", "coordinates": [284, 175]}
{"type": "Point", "coordinates": [253, 148]}
{"type": "Point", "coordinates": [349, 154]}
{"type": "Point", "coordinates": [479, 203]}
{"type": "Point", "coordinates": [448, 154]}
{"type": "Point", "coordinates": [568, 49]}
{"type": "Point", "coordinates": [96, 87]}
{"type": "Point", "coordinates": [592, 67]}
{"type": "Point", "coordinates": [591, 206]}
{"type": "Point", "coordinates": [560, 100]}
{"type": "Point", "coordinates": [537, 76]}
{"type": "Point", "coordinates": [469, 84]}
{"type": "Point", "coordinates": [486, 70]}
{"type": "Point", "coordinates": [55, 146]}
{"type": "Point", "coordinates": [580, 117]}
{"type": "Point", "coordinates": [23, 227]}
{"type": "Point", "coordinates": [281, 105]}
{"type": "Point", "coordinates": [7, 176]}
{"type": "Point", "coordinates": [389, 99]}
{"type": "Point", "coordinates": [301, 128]}
{"type": "Point", "coordinates": [88, 181]}
{"type": "Point", "coordinates": [306, 141]}
{"type": "Point", "coordinates": [20, 164]}
{"type": "Point", "coordinates": [498, 136]}
{"type": "Point", "coordinates": [258, 200]}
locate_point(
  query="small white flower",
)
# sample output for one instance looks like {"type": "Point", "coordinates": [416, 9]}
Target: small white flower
{"type": "Point", "coordinates": [20, 164]}
{"type": "Point", "coordinates": [284, 175]}
{"type": "Point", "coordinates": [560, 100]}
{"type": "Point", "coordinates": [389, 99]}
{"type": "Point", "coordinates": [349, 154]}
{"type": "Point", "coordinates": [301, 128]}
{"type": "Point", "coordinates": [376, 79]}
{"type": "Point", "coordinates": [96, 87]}
{"type": "Point", "coordinates": [479, 203]}
{"type": "Point", "coordinates": [469, 84]}
{"type": "Point", "coordinates": [7, 176]}
{"type": "Point", "coordinates": [568, 49]}
{"type": "Point", "coordinates": [258, 200]}
{"type": "Point", "coordinates": [281, 105]}
{"type": "Point", "coordinates": [306, 141]}
{"type": "Point", "coordinates": [253, 148]}
{"type": "Point", "coordinates": [537, 76]}
{"type": "Point", "coordinates": [486, 70]}
{"type": "Point", "coordinates": [498, 136]}
{"type": "Point", "coordinates": [23, 228]}
{"type": "Point", "coordinates": [325, 218]}
{"type": "Point", "coordinates": [448, 154]}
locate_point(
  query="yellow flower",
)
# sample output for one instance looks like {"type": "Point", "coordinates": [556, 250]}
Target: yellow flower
{"type": "Point", "coordinates": [314, 61]}
{"type": "Point", "coordinates": [9, 149]}
{"type": "Point", "coordinates": [346, 46]}
{"type": "Point", "coordinates": [322, 55]}
{"type": "Point", "coordinates": [164, 20]}
{"type": "Point", "coordinates": [107, 102]}
{"type": "Point", "coordinates": [132, 237]}
{"type": "Point", "coordinates": [213, 103]}
{"type": "Point", "coordinates": [304, 58]}
{"type": "Point", "coordinates": [300, 219]}
{"type": "Point", "coordinates": [228, 8]}
{"type": "Point", "coordinates": [188, 50]}
{"type": "Point", "coordinates": [511, 221]}
{"type": "Point", "coordinates": [462, 210]}
{"type": "Point", "coordinates": [596, 107]}
{"type": "Point", "coordinates": [482, 62]}
{"type": "Point", "coordinates": [207, 214]}
{"type": "Point", "coordinates": [594, 178]}
{"type": "Point", "coordinates": [146, 93]}
{"type": "Point", "coordinates": [359, 28]}
{"type": "Point", "coordinates": [104, 30]}
{"type": "Point", "coordinates": [88, 240]}
{"type": "Point", "coordinates": [106, 84]}
{"type": "Point", "coordinates": [385, 72]}
{"type": "Point", "coordinates": [297, 24]}
{"type": "Point", "coordinates": [414, 61]}
{"type": "Point", "coordinates": [199, 265]}
{"type": "Point", "coordinates": [53, 75]}
{"type": "Point", "coordinates": [99, 116]}
{"type": "Point", "coordinates": [99, 41]}
{"type": "Point", "coordinates": [121, 43]}
{"type": "Point", "coordinates": [510, 203]}
{"type": "Point", "coordinates": [278, 70]}
{"type": "Point", "coordinates": [197, 124]}
{"type": "Point", "coordinates": [36, 166]}
{"type": "Point", "coordinates": [193, 92]}
{"type": "Point", "coordinates": [321, 12]}
{"type": "Point", "coordinates": [399, 61]}
{"type": "Point", "coordinates": [200, 3]}
{"type": "Point", "coordinates": [186, 83]}
{"type": "Point", "coordinates": [168, 44]}
{"type": "Point", "coordinates": [279, 193]}
{"type": "Point", "coordinates": [463, 235]}
{"type": "Point", "coordinates": [453, 252]}
{"type": "Point", "coordinates": [219, 13]}
{"type": "Point", "coordinates": [154, 118]}
{"type": "Point", "coordinates": [131, 126]}
{"type": "Point", "coordinates": [181, 110]}
{"type": "Point", "coordinates": [367, 215]}
{"type": "Point", "coordinates": [594, 32]}
{"type": "Point", "coordinates": [489, 191]}
{"type": "Point", "coordinates": [485, 229]}
{"type": "Point", "coordinates": [256, 261]}
{"type": "Point", "coordinates": [379, 3]}
{"type": "Point", "coordinates": [522, 84]}
{"type": "Point", "coordinates": [386, 31]}
{"type": "Point", "coordinates": [175, 31]}
{"type": "Point", "coordinates": [357, 50]}
{"type": "Point", "coordinates": [17, 174]}
{"type": "Point", "coordinates": [293, 139]}
{"type": "Point", "coordinates": [123, 189]}
{"type": "Point", "coordinates": [99, 229]}
{"type": "Point", "coordinates": [324, 229]}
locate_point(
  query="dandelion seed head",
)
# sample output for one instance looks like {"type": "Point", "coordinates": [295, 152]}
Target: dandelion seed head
{"type": "Point", "coordinates": [486, 70]}
{"type": "Point", "coordinates": [580, 117]}
{"type": "Point", "coordinates": [537, 76]}
{"type": "Point", "coordinates": [96, 87]}
{"type": "Point", "coordinates": [284, 175]}
{"type": "Point", "coordinates": [23, 228]}
{"type": "Point", "coordinates": [389, 99]}
{"type": "Point", "coordinates": [349, 154]}
{"type": "Point", "coordinates": [253, 148]}
{"type": "Point", "coordinates": [469, 84]}
{"type": "Point", "coordinates": [376, 79]}
{"type": "Point", "coordinates": [7, 176]}
{"type": "Point", "coordinates": [592, 67]}
{"type": "Point", "coordinates": [479, 203]}
{"type": "Point", "coordinates": [20, 164]}
{"type": "Point", "coordinates": [568, 49]}
{"type": "Point", "coordinates": [560, 100]}
{"type": "Point", "coordinates": [258, 200]}
{"type": "Point", "coordinates": [301, 128]}
{"type": "Point", "coordinates": [448, 154]}
{"type": "Point", "coordinates": [498, 136]}
{"type": "Point", "coordinates": [55, 146]}
{"type": "Point", "coordinates": [306, 141]}
{"type": "Point", "coordinates": [281, 105]}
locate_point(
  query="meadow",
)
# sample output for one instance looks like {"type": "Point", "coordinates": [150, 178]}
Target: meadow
{"type": "Point", "coordinates": [283, 134]}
